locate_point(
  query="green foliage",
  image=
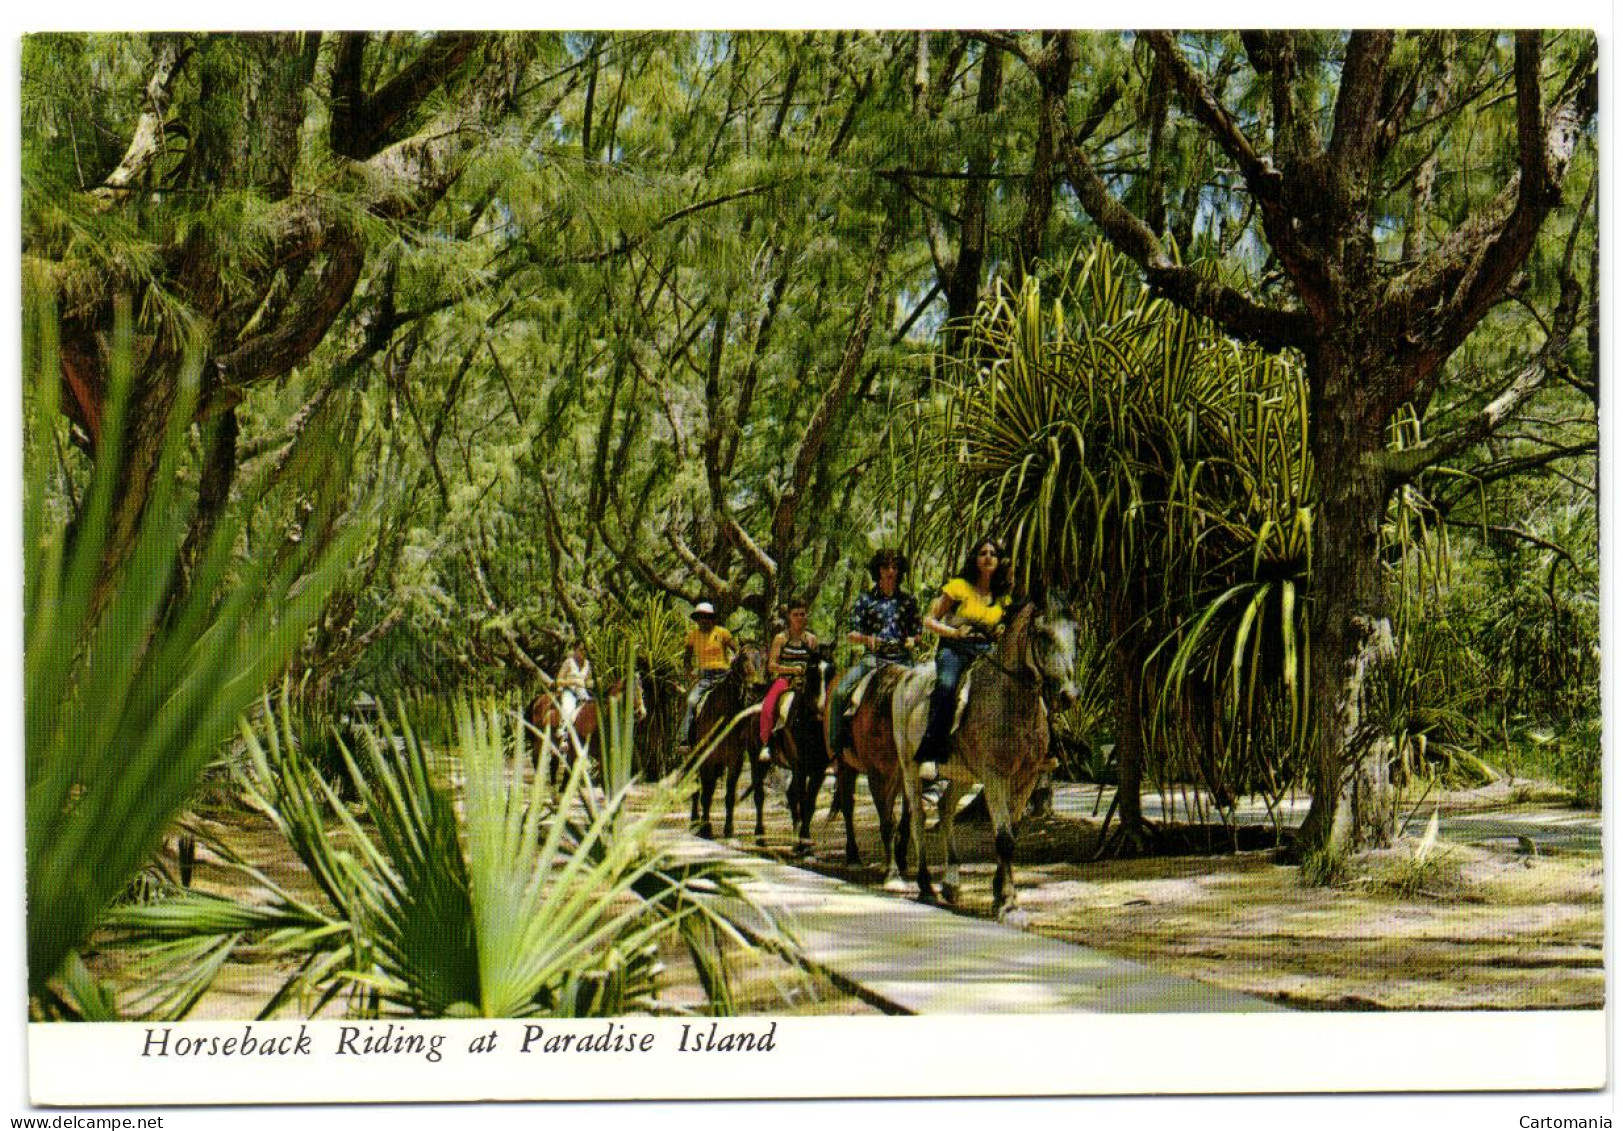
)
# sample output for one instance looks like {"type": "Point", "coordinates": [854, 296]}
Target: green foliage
{"type": "Point", "coordinates": [1134, 455]}
{"type": "Point", "coordinates": [131, 683]}
{"type": "Point", "coordinates": [456, 886]}
{"type": "Point", "coordinates": [1423, 869]}
{"type": "Point", "coordinates": [573, 385]}
{"type": "Point", "coordinates": [501, 904]}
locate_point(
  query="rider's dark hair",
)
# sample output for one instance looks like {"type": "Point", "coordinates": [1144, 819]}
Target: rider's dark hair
{"type": "Point", "coordinates": [1002, 577]}
{"type": "Point", "coordinates": [884, 557]}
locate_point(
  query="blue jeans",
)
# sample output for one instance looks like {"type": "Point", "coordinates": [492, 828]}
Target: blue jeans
{"type": "Point", "coordinates": [699, 688]}
{"type": "Point", "coordinates": [951, 660]}
{"type": "Point", "coordinates": [842, 695]}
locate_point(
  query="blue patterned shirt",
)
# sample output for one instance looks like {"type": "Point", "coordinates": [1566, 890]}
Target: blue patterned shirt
{"type": "Point", "coordinates": [894, 619]}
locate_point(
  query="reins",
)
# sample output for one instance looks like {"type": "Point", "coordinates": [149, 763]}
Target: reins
{"type": "Point", "coordinates": [1025, 672]}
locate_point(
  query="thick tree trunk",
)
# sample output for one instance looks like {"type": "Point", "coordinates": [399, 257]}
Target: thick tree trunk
{"type": "Point", "coordinates": [964, 285]}
{"type": "Point", "coordinates": [1348, 771]}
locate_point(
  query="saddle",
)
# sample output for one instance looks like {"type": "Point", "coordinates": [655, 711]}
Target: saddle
{"type": "Point", "coordinates": [860, 691]}
{"type": "Point", "coordinates": [780, 718]}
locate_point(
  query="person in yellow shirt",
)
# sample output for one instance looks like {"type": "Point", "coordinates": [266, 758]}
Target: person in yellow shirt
{"type": "Point", "coordinates": [967, 615]}
{"type": "Point", "coordinates": [708, 649]}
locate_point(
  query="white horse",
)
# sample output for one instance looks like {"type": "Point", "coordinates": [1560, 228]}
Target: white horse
{"type": "Point", "coordinates": [1002, 736]}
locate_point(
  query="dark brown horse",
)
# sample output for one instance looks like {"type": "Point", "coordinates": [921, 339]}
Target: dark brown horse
{"type": "Point", "coordinates": [548, 728]}
{"type": "Point", "coordinates": [801, 743]}
{"type": "Point", "coordinates": [872, 753]}
{"type": "Point", "coordinates": [723, 725]}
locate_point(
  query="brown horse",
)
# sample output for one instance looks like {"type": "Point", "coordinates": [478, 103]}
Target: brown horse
{"type": "Point", "coordinates": [723, 724]}
{"type": "Point", "coordinates": [872, 752]}
{"type": "Point", "coordinates": [572, 739]}
{"type": "Point", "coordinates": [1002, 735]}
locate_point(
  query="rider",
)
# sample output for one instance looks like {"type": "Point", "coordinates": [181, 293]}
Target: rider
{"type": "Point", "coordinates": [708, 652]}
{"type": "Point", "coordinates": [884, 621]}
{"type": "Point", "coordinates": [573, 682]}
{"type": "Point", "coordinates": [967, 614]}
{"type": "Point", "coordinates": [786, 662]}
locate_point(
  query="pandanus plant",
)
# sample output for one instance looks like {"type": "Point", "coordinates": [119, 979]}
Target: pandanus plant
{"type": "Point", "coordinates": [1133, 454]}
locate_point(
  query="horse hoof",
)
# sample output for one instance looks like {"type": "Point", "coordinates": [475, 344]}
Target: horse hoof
{"type": "Point", "coordinates": [895, 883]}
{"type": "Point", "coordinates": [707, 832]}
{"type": "Point", "coordinates": [928, 898]}
{"type": "Point", "coordinates": [949, 894]}
{"type": "Point", "coordinates": [1014, 917]}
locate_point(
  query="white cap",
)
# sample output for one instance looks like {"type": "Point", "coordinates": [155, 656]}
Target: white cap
{"type": "Point", "coordinates": [702, 609]}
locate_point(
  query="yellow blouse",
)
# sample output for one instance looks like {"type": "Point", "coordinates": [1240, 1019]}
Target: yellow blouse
{"type": "Point", "coordinates": [971, 608]}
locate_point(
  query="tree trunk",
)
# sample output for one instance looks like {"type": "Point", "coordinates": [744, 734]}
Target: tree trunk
{"type": "Point", "coordinates": [964, 285]}
{"type": "Point", "coordinates": [1129, 730]}
{"type": "Point", "coordinates": [1350, 631]}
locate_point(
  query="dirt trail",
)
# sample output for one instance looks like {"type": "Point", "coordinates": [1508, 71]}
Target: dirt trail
{"type": "Point", "coordinates": [1484, 926]}
{"type": "Point", "coordinates": [1458, 926]}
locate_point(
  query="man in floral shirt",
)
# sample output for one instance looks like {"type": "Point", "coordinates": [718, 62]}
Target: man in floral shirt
{"type": "Point", "coordinates": [885, 622]}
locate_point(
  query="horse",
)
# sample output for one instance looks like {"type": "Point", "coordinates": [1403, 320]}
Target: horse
{"type": "Point", "coordinates": [724, 744]}
{"type": "Point", "coordinates": [1002, 735]}
{"type": "Point", "coordinates": [579, 735]}
{"type": "Point", "coordinates": [872, 752]}
{"type": "Point", "coordinates": [800, 743]}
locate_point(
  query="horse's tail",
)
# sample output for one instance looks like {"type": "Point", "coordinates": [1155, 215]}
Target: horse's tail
{"type": "Point", "coordinates": [845, 780]}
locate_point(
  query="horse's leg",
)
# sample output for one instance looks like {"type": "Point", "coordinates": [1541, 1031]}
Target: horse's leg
{"type": "Point", "coordinates": [845, 800]}
{"type": "Point", "coordinates": [707, 793]}
{"type": "Point", "coordinates": [811, 786]}
{"type": "Point", "coordinates": [997, 805]}
{"type": "Point", "coordinates": [801, 800]}
{"type": "Point", "coordinates": [904, 837]}
{"type": "Point", "coordinates": [734, 768]}
{"type": "Point", "coordinates": [949, 813]}
{"type": "Point", "coordinates": [758, 771]}
{"type": "Point", "coordinates": [890, 838]}
{"type": "Point", "coordinates": [913, 808]}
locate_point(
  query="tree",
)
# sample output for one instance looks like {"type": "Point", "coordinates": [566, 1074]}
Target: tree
{"type": "Point", "coordinates": [256, 175]}
{"type": "Point", "coordinates": [1327, 162]}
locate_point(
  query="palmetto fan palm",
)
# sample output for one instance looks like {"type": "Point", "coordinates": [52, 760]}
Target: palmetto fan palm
{"type": "Point", "coordinates": [1134, 455]}
{"type": "Point", "coordinates": [485, 898]}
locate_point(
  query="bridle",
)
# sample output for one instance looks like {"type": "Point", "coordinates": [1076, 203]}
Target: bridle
{"type": "Point", "coordinates": [1026, 672]}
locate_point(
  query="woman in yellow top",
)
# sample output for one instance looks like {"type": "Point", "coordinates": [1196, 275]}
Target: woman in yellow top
{"type": "Point", "coordinates": [967, 615]}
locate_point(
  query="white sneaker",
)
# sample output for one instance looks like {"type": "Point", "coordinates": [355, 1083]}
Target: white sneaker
{"type": "Point", "coordinates": [765, 755]}
{"type": "Point", "coordinates": [928, 771]}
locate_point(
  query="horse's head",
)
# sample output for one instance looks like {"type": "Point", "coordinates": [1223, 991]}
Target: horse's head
{"type": "Point", "coordinates": [818, 680]}
{"type": "Point", "coordinates": [1043, 632]}
{"type": "Point", "coordinates": [747, 666]}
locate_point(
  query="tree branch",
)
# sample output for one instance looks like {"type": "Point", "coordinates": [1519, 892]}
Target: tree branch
{"type": "Point", "coordinates": [1444, 297]}
{"type": "Point", "coordinates": [1403, 466]}
{"type": "Point", "coordinates": [815, 434]}
{"type": "Point", "coordinates": [361, 125]}
{"type": "Point", "coordinates": [146, 142]}
{"type": "Point", "coordinates": [1271, 327]}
